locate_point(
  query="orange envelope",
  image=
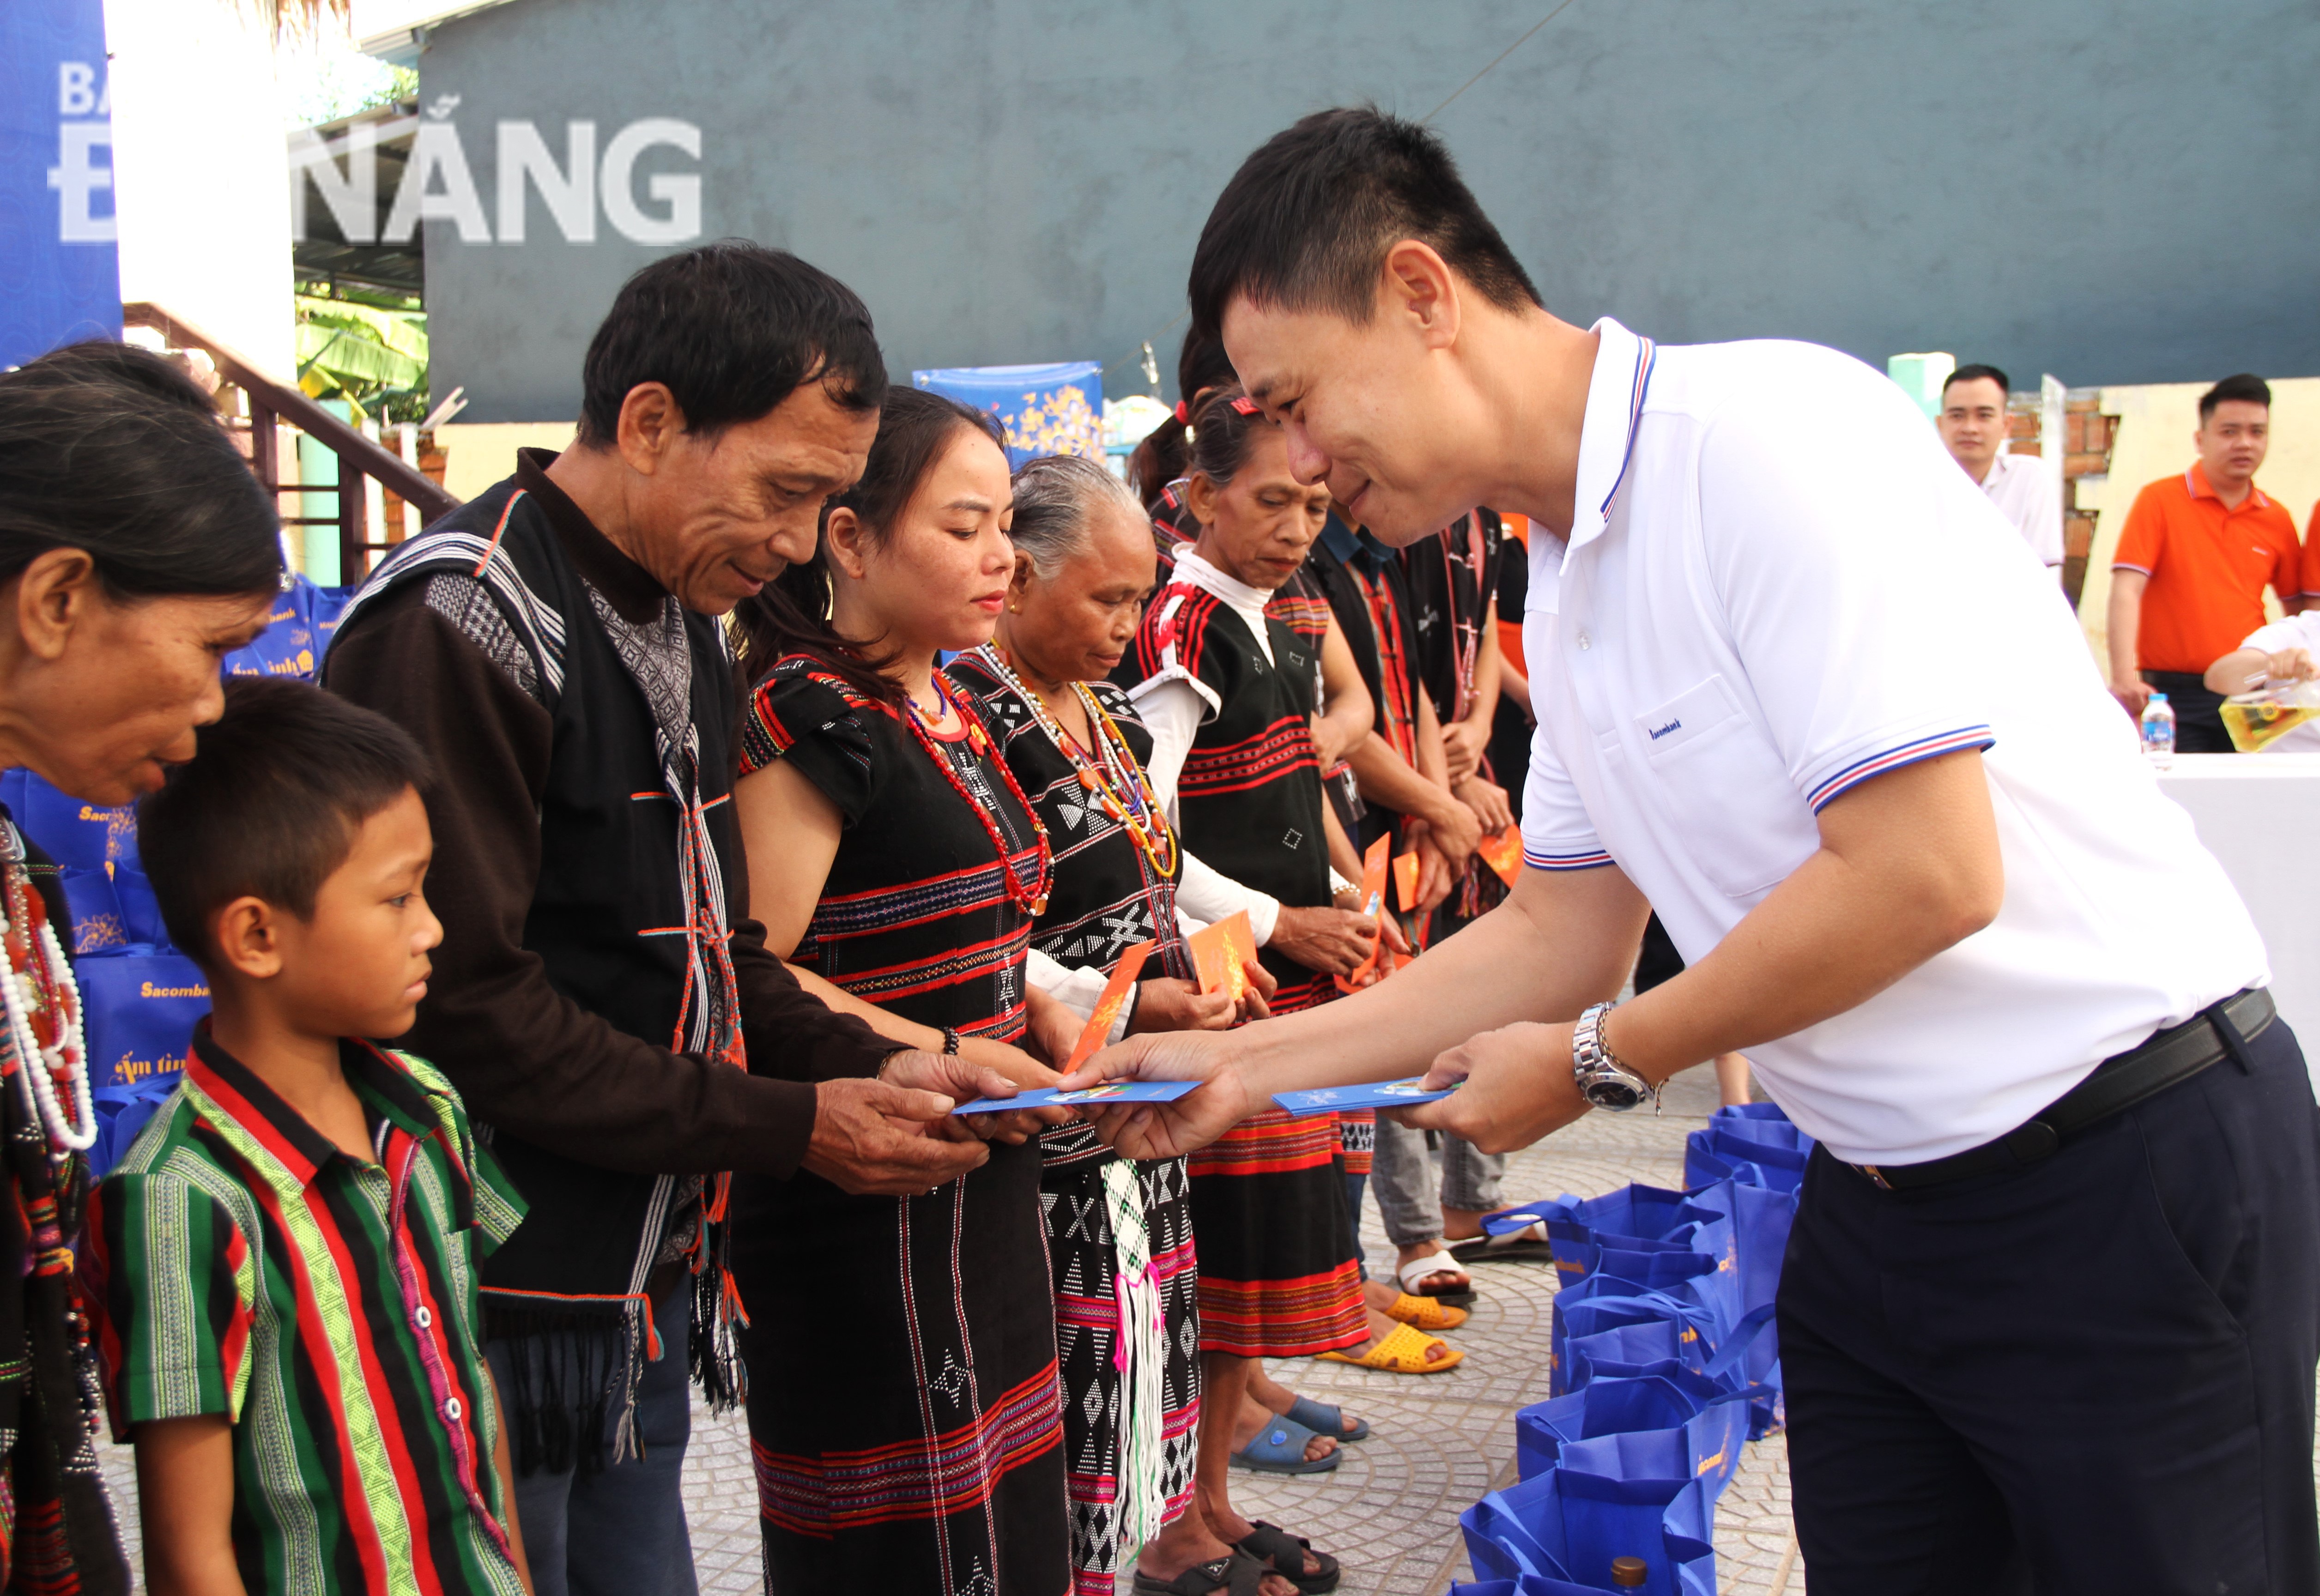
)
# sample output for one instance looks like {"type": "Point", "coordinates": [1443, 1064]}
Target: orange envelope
{"type": "Point", "coordinates": [1503, 854]}
{"type": "Point", "coordinates": [1405, 882]}
{"type": "Point", "coordinates": [1107, 1007]}
{"type": "Point", "coordinates": [1374, 869]}
{"type": "Point", "coordinates": [1222, 954]}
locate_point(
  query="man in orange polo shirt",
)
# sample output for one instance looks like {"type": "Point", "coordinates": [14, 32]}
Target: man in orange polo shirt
{"type": "Point", "coordinates": [2186, 584]}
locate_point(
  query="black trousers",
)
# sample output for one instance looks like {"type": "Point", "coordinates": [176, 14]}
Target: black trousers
{"type": "Point", "coordinates": [2198, 713]}
{"type": "Point", "coordinates": [2098, 1367]}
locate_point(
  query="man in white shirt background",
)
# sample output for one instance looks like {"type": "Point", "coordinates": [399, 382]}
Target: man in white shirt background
{"type": "Point", "coordinates": [2053, 1293]}
{"type": "Point", "coordinates": [1972, 425]}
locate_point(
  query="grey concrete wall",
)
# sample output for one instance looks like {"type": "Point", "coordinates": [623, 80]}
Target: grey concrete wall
{"type": "Point", "coordinates": [2117, 191]}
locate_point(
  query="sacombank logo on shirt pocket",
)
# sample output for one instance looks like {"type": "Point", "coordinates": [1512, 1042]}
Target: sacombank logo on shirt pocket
{"type": "Point", "coordinates": [1689, 714]}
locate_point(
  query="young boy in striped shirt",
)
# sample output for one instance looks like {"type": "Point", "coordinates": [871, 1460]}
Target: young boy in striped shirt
{"type": "Point", "coordinates": [282, 1268]}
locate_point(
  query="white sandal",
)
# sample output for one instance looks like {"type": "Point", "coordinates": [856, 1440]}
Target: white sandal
{"type": "Point", "coordinates": [1438, 1262]}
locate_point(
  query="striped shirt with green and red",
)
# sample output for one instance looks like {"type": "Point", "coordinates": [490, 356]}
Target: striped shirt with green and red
{"type": "Point", "coordinates": [236, 1262]}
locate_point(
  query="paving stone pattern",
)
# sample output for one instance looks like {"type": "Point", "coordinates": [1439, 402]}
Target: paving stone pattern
{"type": "Point", "coordinates": [1390, 1512]}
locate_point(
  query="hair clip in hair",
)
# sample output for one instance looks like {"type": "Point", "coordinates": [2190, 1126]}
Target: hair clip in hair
{"type": "Point", "coordinates": [1244, 404]}
{"type": "Point", "coordinates": [1184, 411]}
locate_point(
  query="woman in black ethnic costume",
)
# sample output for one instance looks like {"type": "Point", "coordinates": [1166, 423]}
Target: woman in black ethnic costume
{"type": "Point", "coordinates": [1083, 567]}
{"type": "Point", "coordinates": [126, 504]}
{"type": "Point", "coordinates": [914, 1444]}
{"type": "Point", "coordinates": [1228, 690]}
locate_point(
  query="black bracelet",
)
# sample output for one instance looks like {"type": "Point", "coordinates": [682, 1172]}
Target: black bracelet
{"type": "Point", "coordinates": [950, 1041]}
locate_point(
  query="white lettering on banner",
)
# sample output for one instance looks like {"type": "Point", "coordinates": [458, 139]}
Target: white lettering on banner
{"type": "Point", "coordinates": [77, 91]}
{"type": "Point", "coordinates": [436, 151]}
{"type": "Point", "coordinates": [679, 191]}
{"type": "Point", "coordinates": [439, 184]}
{"type": "Point", "coordinates": [76, 177]}
{"type": "Point", "coordinates": [569, 190]}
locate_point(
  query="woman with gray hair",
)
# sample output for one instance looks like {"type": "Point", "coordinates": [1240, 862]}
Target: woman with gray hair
{"type": "Point", "coordinates": [1120, 1234]}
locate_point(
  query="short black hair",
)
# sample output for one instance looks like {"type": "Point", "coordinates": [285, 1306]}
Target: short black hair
{"type": "Point", "coordinates": [733, 329]}
{"type": "Point", "coordinates": [1971, 373]}
{"type": "Point", "coordinates": [269, 804]}
{"type": "Point", "coordinates": [1306, 223]}
{"type": "Point", "coordinates": [2247, 388]}
{"type": "Point", "coordinates": [113, 450]}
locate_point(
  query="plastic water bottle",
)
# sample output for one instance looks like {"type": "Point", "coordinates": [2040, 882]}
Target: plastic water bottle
{"type": "Point", "coordinates": [2159, 732]}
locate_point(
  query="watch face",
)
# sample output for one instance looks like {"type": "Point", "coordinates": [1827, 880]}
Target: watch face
{"type": "Point", "coordinates": [1612, 1091]}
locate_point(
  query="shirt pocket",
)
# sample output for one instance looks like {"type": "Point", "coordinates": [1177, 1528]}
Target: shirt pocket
{"type": "Point", "coordinates": [1725, 788]}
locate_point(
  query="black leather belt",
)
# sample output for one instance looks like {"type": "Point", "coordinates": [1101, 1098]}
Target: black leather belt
{"type": "Point", "coordinates": [2163, 1060]}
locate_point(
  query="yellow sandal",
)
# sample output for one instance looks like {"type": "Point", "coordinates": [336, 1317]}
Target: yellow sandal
{"type": "Point", "coordinates": [1402, 1353]}
{"type": "Point", "coordinates": [1426, 1313]}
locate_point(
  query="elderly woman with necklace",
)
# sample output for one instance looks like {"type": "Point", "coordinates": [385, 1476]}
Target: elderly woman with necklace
{"type": "Point", "coordinates": [136, 551]}
{"type": "Point", "coordinates": [1084, 564]}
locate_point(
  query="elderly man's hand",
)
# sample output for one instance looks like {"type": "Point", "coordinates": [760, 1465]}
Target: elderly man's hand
{"type": "Point", "coordinates": [982, 1068]}
{"type": "Point", "coordinates": [1518, 1087]}
{"type": "Point", "coordinates": [875, 1139]}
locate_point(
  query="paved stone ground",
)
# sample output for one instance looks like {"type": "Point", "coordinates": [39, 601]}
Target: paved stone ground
{"type": "Point", "coordinates": [1390, 1512]}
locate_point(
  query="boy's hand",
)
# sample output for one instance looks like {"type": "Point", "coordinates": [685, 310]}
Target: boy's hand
{"type": "Point", "coordinates": [875, 1139]}
{"type": "Point", "coordinates": [184, 1506]}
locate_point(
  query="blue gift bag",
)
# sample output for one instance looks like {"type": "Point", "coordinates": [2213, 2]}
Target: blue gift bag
{"type": "Point", "coordinates": [76, 835]}
{"type": "Point", "coordinates": [140, 910]}
{"type": "Point", "coordinates": [98, 926]}
{"type": "Point", "coordinates": [288, 646]}
{"type": "Point", "coordinates": [1601, 1303]}
{"type": "Point", "coordinates": [1705, 1447]}
{"type": "Point", "coordinates": [1755, 1136]}
{"type": "Point", "coordinates": [1636, 1218]}
{"type": "Point", "coordinates": [1606, 1407]}
{"type": "Point", "coordinates": [123, 1112]}
{"type": "Point", "coordinates": [1557, 1535]}
{"type": "Point", "coordinates": [140, 1015]}
{"type": "Point", "coordinates": [325, 606]}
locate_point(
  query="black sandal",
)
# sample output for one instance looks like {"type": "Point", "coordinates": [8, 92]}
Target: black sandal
{"type": "Point", "coordinates": [1236, 1575]}
{"type": "Point", "coordinates": [1276, 1551]}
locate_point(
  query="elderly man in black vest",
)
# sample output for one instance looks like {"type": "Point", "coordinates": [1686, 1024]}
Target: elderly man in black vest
{"type": "Point", "coordinates": [601, 998]}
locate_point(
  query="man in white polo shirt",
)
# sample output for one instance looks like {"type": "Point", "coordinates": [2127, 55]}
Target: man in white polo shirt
{"type": "Point", "coordinates": [2052, 1293]}
{"type": "Point", "coordinates": [1972, 425]}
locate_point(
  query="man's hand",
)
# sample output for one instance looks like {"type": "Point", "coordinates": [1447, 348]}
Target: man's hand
{"type": "Point", "coordinates": [1488, 800]}
{"type": "Point", "coordinates": [1518, 1087]}
{"type": "Point", "coordinates": [1146, 1130]}
{"type": "Point", "coordinates": [2289, 665]}
{"type": "Point", "coordinates": [994, 1070]}
{"type": "Point", "coordinates": [1452, 828]}
{"type": "Point", "coordinates": [1330, 941]}
{"type": "Point", "coordinates": [2133, 693]}
{"type": "Point", "coordinates": [879, 1138]}
{"type": "Point", "coordinates": [1055, 1027]}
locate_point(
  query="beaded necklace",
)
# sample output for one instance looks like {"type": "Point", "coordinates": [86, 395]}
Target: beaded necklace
{"type": "Point", "coordinates": [44, 1021]}
{"type": "Point", "coordinates": [1113, 775]}
{"type": "Point", "coordinates": [1031, 899]}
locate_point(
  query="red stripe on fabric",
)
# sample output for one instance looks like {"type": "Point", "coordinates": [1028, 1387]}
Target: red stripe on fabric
{"type": "Point", "coordinates": [247, 1117]}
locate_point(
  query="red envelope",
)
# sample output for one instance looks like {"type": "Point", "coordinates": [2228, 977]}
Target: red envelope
{"type": "Point", "coordinates": [1373, 870]}
{"type": "Point", "coordinates": [1107, 1007]}
{"type": "Point", "coordinates": [1405, 882]}
{"type": "Point", "coordinates": [1222, 954]}
{"type": "Point", "coordinates": [1503, 854]}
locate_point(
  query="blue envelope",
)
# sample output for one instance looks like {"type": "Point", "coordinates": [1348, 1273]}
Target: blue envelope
{"type": "Point", "coordinates": [1382, 1095]}
{"type": "Point", "coordinates": [1110, 1092]}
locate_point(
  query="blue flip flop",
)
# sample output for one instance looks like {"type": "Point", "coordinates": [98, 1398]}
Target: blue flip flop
{"type": "Point", "coordinates": [1325, 1419]}
{"type": "Point", "coordinates": [1279, 1448]}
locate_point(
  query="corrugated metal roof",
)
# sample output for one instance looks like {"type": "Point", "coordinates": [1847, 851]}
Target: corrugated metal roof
{"type": "Point", "coordinates": [396, 31]}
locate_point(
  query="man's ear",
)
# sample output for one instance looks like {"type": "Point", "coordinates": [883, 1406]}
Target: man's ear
{"type": "Point", "coordinates": [1419, 286]}
{"type": "Point", "coordinates": [247, 935]}
{"type": "Point", "coordinates": [53, 595]}
{"type": "Point", "coordinates": [651, 421]}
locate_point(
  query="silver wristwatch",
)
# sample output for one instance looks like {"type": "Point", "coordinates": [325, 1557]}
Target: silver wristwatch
{"type": "Point", "coordinates": [1603, 1079]}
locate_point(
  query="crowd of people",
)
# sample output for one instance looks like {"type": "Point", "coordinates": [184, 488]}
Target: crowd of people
{"type": "Point", "coordinates": [2186, 617]}
{"type": "Point", "coordinates": [683, 829]}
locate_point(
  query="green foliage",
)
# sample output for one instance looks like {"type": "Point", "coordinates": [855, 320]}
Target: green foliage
{"type": "Point", "coordinates": [370, 349]}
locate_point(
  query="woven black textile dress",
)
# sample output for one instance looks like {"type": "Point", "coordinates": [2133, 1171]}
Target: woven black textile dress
{"type": "Point", "coordinates": [1452, 577]}
{"type": "Point", "coordinates": [908, 1439]}
{"type": "Point", "coordinates": [1108, 896]}
{"type": "Point", "coordinates": [1277, 1272]}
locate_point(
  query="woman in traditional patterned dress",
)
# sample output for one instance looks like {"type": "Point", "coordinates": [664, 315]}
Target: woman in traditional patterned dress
{"type": "Point", "coordinates": [1084, 566]}
{"type": "Point", "coordinates": [136, 551]}
{"type": "Point", "coordinates": [909, 1438]}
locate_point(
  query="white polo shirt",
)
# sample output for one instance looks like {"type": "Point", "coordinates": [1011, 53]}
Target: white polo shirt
{"type": "Point", "coordinates": [2024, 492]}
{"type": "Point", "coordinates": [2292, 631]}
{"type": "Point", "coordinates": [1737, 635]}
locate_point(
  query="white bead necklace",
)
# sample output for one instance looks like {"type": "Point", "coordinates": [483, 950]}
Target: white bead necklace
{"type": "Point", "coordinates": [39, 1066]}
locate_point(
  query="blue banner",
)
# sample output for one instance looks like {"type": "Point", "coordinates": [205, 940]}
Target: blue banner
{"type": "Point", "coordinates": [1047, 410]}
{"type": "Point", "coordinates": [60, 274]}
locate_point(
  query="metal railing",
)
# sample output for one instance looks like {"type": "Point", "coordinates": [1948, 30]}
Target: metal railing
{"type": "Point", "coordinates": [359, 457]}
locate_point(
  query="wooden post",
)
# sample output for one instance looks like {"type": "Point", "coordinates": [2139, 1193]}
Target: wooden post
{"type": "Point", "coordinates": [354, 559]}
